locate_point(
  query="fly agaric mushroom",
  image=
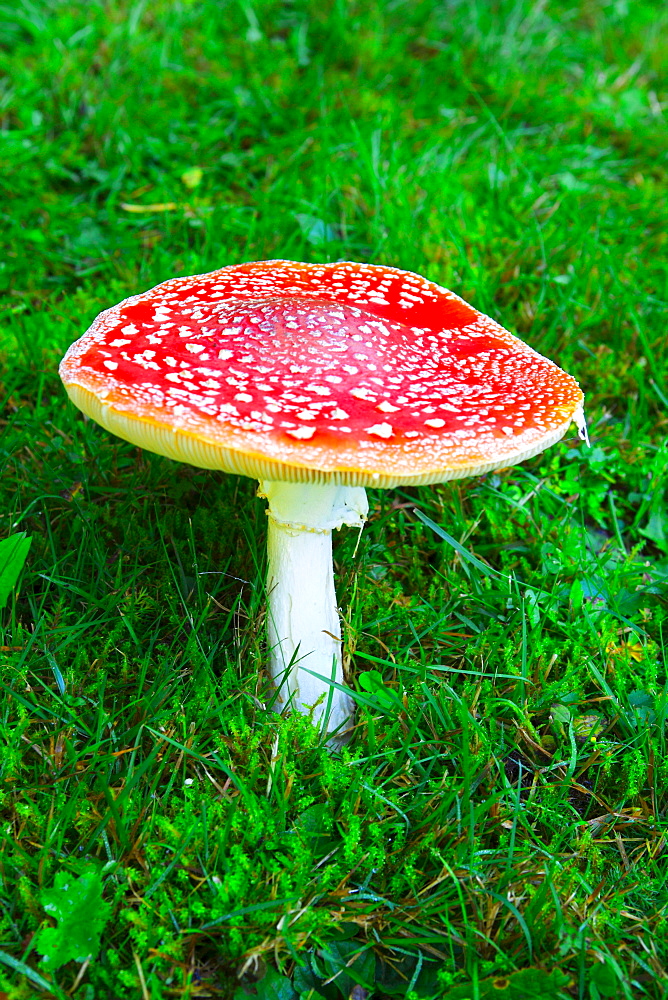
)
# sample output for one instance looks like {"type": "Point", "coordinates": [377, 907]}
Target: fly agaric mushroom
{"type": "Point", "coordinates": [318, 380]}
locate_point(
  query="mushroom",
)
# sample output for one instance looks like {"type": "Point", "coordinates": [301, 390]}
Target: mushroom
{"type": "Point", "coordinates": [318, 380]}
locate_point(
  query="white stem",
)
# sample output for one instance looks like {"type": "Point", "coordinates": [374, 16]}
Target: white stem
{"type": "Point", "coordinates": [303, 629]}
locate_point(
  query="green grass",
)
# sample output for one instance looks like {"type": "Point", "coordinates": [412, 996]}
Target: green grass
{"type": "Point", "coordinates": [499, 827]}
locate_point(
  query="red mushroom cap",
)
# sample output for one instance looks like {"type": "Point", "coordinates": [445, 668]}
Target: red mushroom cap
{"type": "Point", "coordinates": [352, 373]}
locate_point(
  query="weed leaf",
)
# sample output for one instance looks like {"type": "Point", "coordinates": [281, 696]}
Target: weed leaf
{"type": "Point", "coordinates": [316, 230]}
{"type": "Point", "coordinates": [527, 984]}
{"type": "Point", "coordinates": [272, 986]}
{"type": "Point", "coordinates": [388, 699]}
{"type": "Point", "coordinates": [13, 553]}
{"type": "Point", "coordinates": [81, 915]}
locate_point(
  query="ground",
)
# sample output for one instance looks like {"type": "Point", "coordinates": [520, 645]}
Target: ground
{"type": "Point", "coordinates": [497, 825]}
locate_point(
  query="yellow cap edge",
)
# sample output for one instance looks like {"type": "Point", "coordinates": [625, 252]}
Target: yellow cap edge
{"type": "Point", "coordinates": [185, 446]}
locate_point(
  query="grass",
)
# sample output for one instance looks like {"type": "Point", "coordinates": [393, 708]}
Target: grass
{"type": "Point", "coordinates": [497, 827]}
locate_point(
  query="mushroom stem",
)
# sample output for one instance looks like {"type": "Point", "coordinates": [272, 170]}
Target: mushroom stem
{"type": "Point", "coordinates": [303, 630]}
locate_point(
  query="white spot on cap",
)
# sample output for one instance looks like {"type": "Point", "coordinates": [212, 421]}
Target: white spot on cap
{"type": "Point", "coordinates": [386, 407]}
{"type": "Point", "coordinates": [195, 348]}
{"type": "Point", "coordinates": [225, 355]}
{"type": "Point", "coordinates": [302, 433]}
{"type": "Point", "coordinates": [435, 422]}
{"type": "Point", "coordinates": [111, 365]}
{"type": "Point", "coordinates": [119, 343]}
{"type": "Point", "coordinates": [339, 414]}
{"type": "Point", "coordinates": [243, 397]}
{"type": "Point", "coordinates": [129, 329]}
{"type": "Point", "coordinates": [381, 430]}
